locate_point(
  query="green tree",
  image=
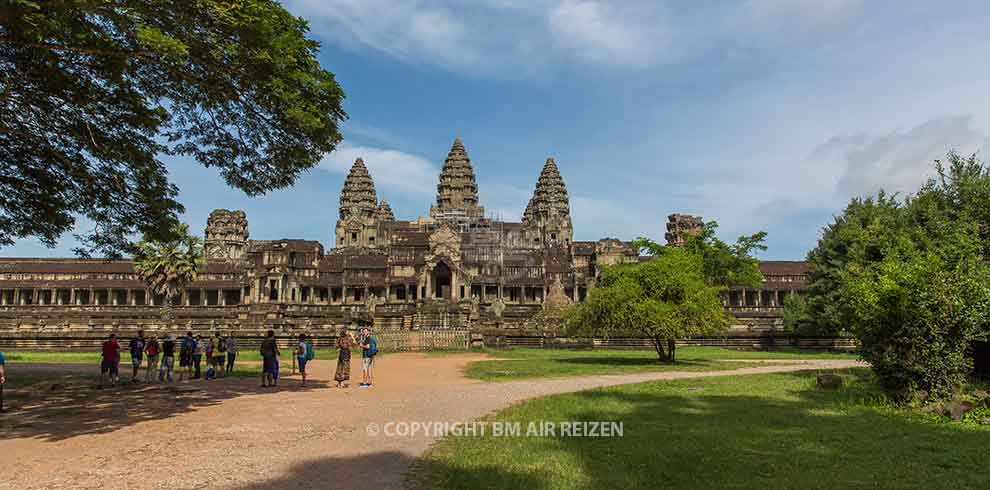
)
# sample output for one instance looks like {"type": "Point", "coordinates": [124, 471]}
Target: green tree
{"type": "Point", "coordinates": [857, 235]}
{"type": "Point", "coordinates": [908, 277]}
{"type": "Point", "coordinates": [796, 316]}
{"type": "Point", "coordinates": [663, 299]}
{"type": "Point", "coordinates": [92, 92]}
{"type": "Point", "coordinates": [723, 264]}
{"type": "Point", "coordinates": [915, 317]}
{"type": "Point", "coordinates": [168, 266]}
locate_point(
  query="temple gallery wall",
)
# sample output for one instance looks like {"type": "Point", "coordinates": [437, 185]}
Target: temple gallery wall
{"type": "Point", "coordinates": [455, 268]}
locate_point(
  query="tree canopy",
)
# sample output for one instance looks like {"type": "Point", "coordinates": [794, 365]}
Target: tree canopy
{"type": "Point", "coordinates": [909, 278]}
{"type": "Point", "coordinates": [167, 266]}
{"type": "Point", "coordinates": [723, 264]}
{"type": "Point", "coordinates": [93, 92]}
{"type": "Point", "coordinates": [677, 294]}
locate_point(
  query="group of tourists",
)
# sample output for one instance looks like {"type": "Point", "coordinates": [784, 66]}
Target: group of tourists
{"type": "Point", "coordinates": [369, 349]}
{"type": "Point", "coordinates": [220, 353]}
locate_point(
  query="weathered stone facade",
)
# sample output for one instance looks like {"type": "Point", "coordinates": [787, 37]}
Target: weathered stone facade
{"type": "Point", "coordinates": [456, 268]}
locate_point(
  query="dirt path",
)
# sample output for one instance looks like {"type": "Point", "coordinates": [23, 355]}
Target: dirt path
{"type": "Point", "coordinates": [233, 434]}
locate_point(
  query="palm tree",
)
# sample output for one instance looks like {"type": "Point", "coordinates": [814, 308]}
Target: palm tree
{"type": "Point", "coordinates": [168, 266]}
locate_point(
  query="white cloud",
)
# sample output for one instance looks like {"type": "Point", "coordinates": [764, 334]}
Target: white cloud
{"type": "Point", "coordinates": [393, 171]}
{"type": "Point", "coordinates": [899, 161]}
{"type": "Point", "coordinates": [627, 34]}
{"type": "Point", "coordinates": [516, 37]}
{"type": "Point", "coordinates": [368, 133]}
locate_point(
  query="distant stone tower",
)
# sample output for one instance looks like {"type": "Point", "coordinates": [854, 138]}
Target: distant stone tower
{"type": "Point", "coordinates": [680, 227]}
{"type": "Point", "coordinates": [457, 192]}
{"type": "Point", "coordinates": [226, 235]}
{"type": "Point", "coordinates": [547, 219]}
{"type": "Point", "coordinates": [384, 212]}
{"type": "Point", "coordinates": [359, 209]}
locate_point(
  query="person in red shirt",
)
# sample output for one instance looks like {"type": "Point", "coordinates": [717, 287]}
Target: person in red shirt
{"type": "Point", "coordinates": [110, 360]}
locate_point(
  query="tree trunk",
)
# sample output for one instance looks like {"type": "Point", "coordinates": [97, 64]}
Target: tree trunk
{"type": "Point", "coordinates": [671, 348]}
{"type": "Point", "coordinates": [658, 345]}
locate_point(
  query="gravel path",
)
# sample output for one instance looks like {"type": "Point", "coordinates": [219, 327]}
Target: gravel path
{"type": "Point", "coordinates": [233, 434]}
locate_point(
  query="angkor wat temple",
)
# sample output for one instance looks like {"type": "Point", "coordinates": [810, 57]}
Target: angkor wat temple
{"type": "Point", "coordinates": [456, 268]}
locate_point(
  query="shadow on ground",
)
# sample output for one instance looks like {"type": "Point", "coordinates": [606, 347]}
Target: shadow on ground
{"type": "Point", "coordinates": [376, 470]}
{"type": "Point", "coordinates": [724, 433]}
{"type": "Point", "coordinates": [62, 406]}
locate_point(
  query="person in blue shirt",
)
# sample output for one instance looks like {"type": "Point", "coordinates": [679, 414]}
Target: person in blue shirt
{"type": "Point", "coordinates": [137, 354]}
{"type": "Point", "coordinates": [186, 349]}
{"type": "Point", "coordinates": [369, 349]}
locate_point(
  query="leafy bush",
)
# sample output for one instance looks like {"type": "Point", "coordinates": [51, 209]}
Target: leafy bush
{"type": "Point", "coordinates": [909, 278]}
{"type": "Point", "coordinates": [916, 318]}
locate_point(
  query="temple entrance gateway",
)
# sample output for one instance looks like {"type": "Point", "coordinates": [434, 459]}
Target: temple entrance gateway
{"type": "Point", "coordinates": [441, 279]}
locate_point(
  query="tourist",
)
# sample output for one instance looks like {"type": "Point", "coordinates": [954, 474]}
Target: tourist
{"type": "Point", "coordinates": [3, 380]}
{"type": "Point", "coordinates": [278, 363]}
{"type": "Point", "coordinates": [231, 352]}
{"type": "Point", "coordinates": [137, 354]}
{"type": "Point", "coordinates": [168, 359]}
{"type": "Point", "coordinates": [186, 355]}
{"type": "Point", "coordinates": [110, 360]}
{"type": "Point", "coordinates": [197, 357]}
{"type": "Point", "coordinates": [269, 357]}
{"type": "Point", "coordinates": [152, 349]}
{"type": "Point", "coordinates": [345, 340]}
{"type": "Point", "coordinates": [219, 354]}
{"type": "Point", "coordinates": [369, 349]}
{"type": "Point", "coordinates": [302, 356]}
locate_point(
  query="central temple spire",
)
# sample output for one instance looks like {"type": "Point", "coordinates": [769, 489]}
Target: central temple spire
{"type": "Point", "coordinates": [457, 192]}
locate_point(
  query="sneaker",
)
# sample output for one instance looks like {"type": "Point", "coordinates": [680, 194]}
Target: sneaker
{"type": "Point", "coordinates": [363, 385]}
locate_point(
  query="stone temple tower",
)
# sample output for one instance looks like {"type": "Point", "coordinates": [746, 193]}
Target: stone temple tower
{"type": "Point", "coordinates": [226, 235]}
{"type": "Point", "coordinates": [547, 219]}
{"type": "Point", "coordinates": [457, 192]}
{"type": "Point", "coordinates": [360, 211]}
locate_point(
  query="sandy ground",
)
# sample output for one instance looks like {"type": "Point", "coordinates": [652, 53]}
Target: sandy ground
{"type": "Point", "coordinates": [233, 434]}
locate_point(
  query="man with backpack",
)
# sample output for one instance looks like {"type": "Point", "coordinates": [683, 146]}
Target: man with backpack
{"type": "Point", "coordinates": [369, 349]}
{"type": "Point", "coordinates": [168, 359]}
{"type": "Point", "coordinates": [219, 354]}
{"type": "Point", "coordinates": [304, 354]}
{"type": "Point", "coordinates": [186, 356]}
{"type": "Point", "coordinates": [137, 354]}
{"type": "Point", "coordinates": [152, 349]}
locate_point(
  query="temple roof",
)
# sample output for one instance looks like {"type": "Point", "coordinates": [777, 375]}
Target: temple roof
{"type": "Point", "coordinates": [458, 190]}
{"type": "Point", "coordinates": [550, 196]}
{"type": "Point", "coordinates": [784, 267]}
{"type": "Point", "coordinates": [358, 194]}
{"type": "Point", "coordinates": [384, 211]}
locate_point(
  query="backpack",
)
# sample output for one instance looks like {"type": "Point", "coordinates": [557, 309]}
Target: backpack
{"type": "Point", "coordinates": [153, 349]}
{"type": "Point", "coordinates": [372, 347]}
{"type": "Point", "coordinates": [223, 346]}
{"type": "Point", "coordinates": [310, 352]}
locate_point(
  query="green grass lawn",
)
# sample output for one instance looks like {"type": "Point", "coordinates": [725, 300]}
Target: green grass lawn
{"type": "Point", "coordinates": [513, 364]}
{"type": "Point", "coordinates": [747, 432]}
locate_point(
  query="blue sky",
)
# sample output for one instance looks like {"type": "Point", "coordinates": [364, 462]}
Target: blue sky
{"type": "Point", "coordinates": [760, 114]}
